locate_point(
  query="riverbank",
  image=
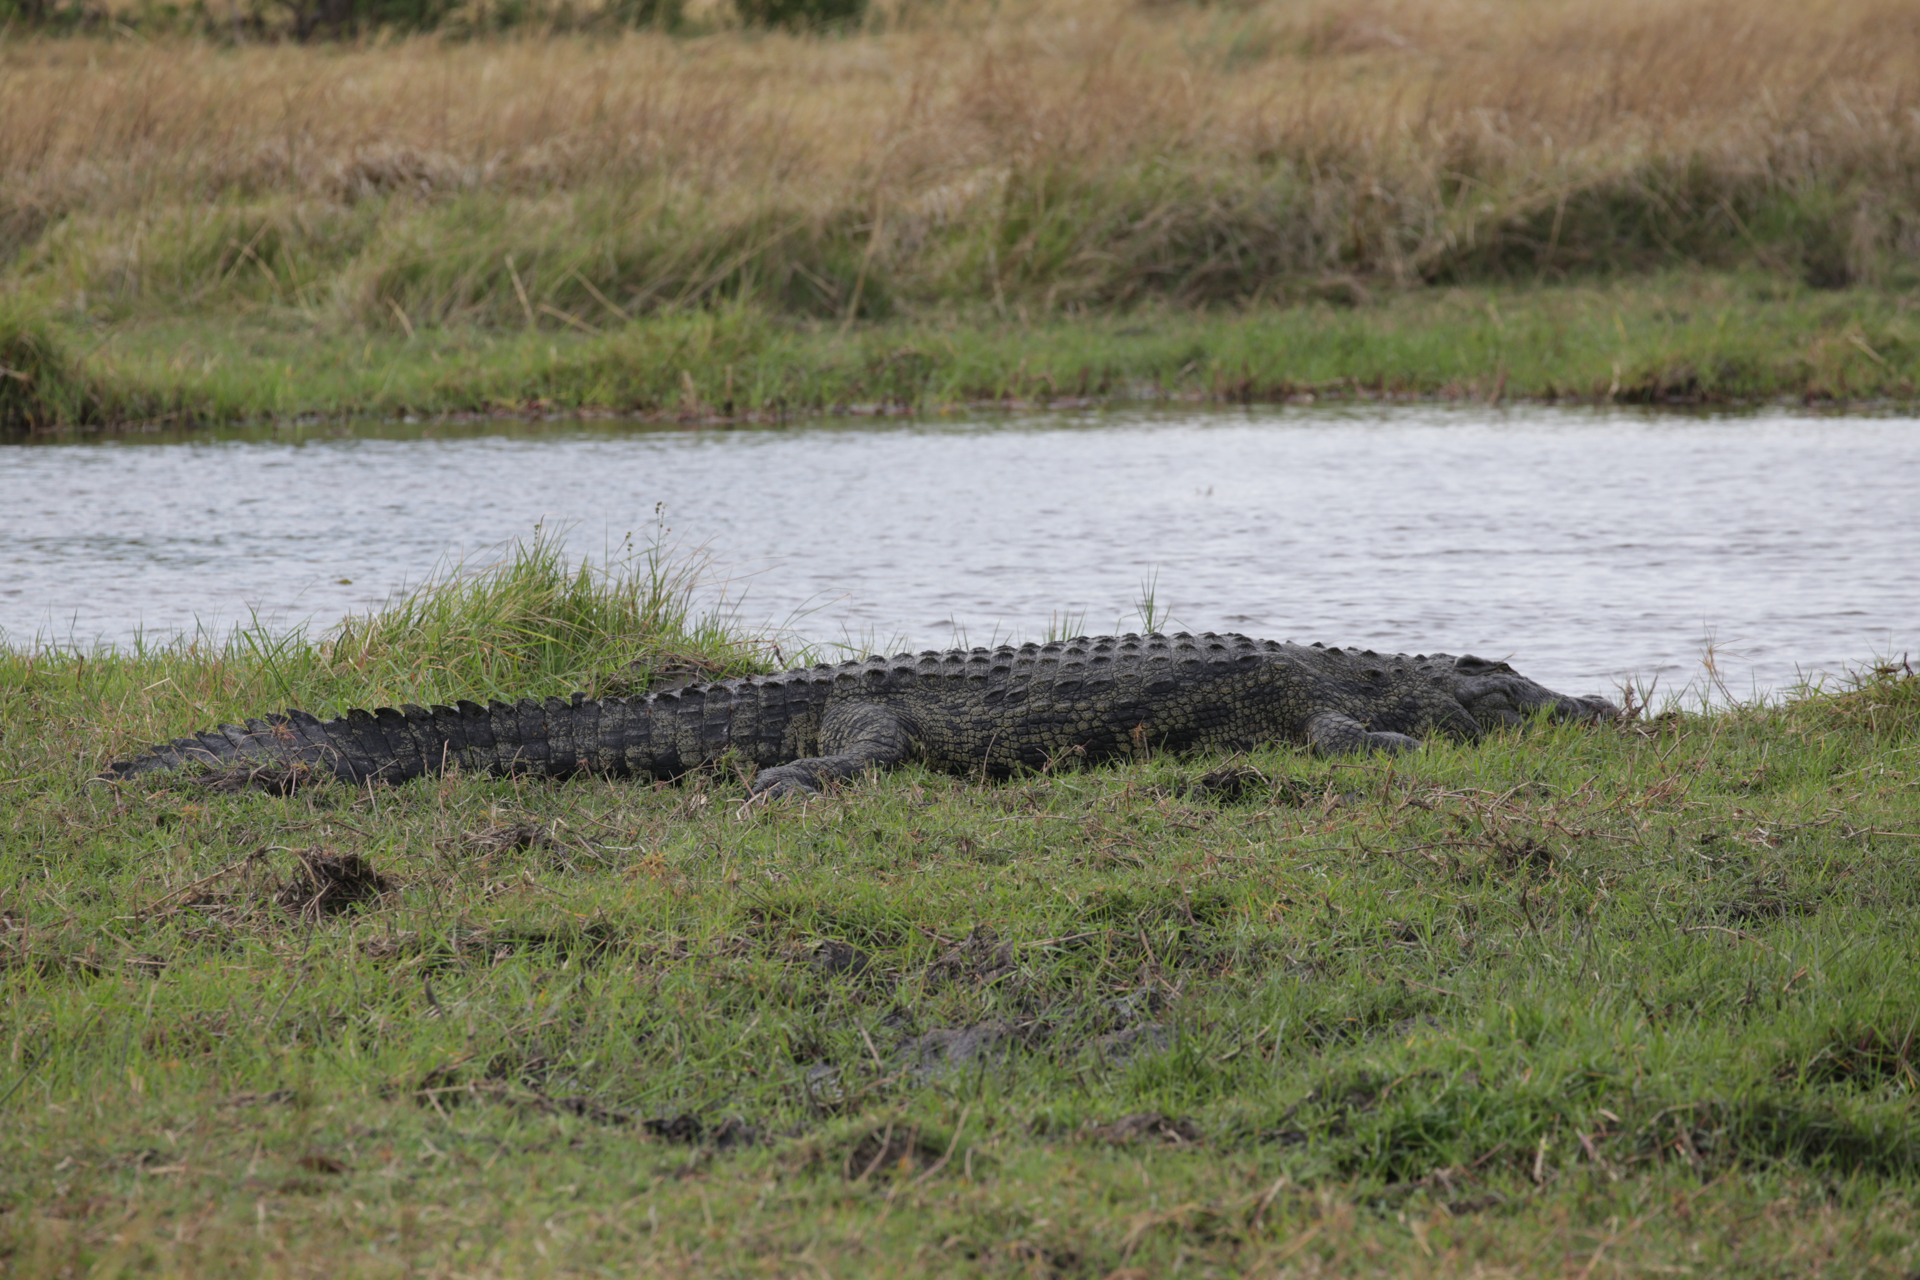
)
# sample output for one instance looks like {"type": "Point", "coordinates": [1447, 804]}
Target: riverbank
{"type": "Point", "coordinates": [1682, 338]}
{"type": "Point", "coordinates": [645, 208]}
{"type": "Point", "coordinates": [1613, 998]}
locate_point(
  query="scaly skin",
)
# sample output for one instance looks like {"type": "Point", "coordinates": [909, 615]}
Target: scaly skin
{"type": "Point", "coordinates": [981, 711]}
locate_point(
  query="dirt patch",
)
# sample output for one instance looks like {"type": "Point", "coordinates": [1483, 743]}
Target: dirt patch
{"type": "Point", "coordinates": [935, 1053]}
{"type": "Point", "coordinates": [1244, 784]}
{"type": "Point", "coordinates": [690, 1130]}
{"type": "Point", "coordinates": [326, 883]}
{"type": "Point", "coordinates": [1232, 784]}
{"type": "Point", "coordinates": [1147, 1126]}
{"type": "Point", "coordinates": [980, 958]}
{"type": "Point", "coordinates": [893, 1149]}
{"type": "Point", "coordinates": [1144, 1040]}
{"type": "Point", "coordinates": [840, 959]}
{"type": "Point", "coordinates": [682, 1128]}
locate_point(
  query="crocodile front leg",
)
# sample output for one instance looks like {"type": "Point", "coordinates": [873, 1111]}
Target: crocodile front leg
{"type": "Point", "coordinates": [1332, 733]}
{"type": "Point", "coordinates": [854, 736]}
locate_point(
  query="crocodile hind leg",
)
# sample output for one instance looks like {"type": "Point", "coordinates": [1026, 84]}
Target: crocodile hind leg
{"type": "Point", "coordinates": [854, 737]}
{"type": "Point", "coordinates": [1330, 733]}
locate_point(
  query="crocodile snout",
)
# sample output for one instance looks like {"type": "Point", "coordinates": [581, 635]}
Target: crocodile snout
{"type": "Point", "coordinates": [1592, 707]}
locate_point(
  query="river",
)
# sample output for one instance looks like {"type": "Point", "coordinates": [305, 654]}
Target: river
{"type": "Point", "coordinates": [1587, 546]}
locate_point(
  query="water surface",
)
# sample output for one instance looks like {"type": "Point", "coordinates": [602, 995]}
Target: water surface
{"type": "Point", "coordinates": [1585, 546]}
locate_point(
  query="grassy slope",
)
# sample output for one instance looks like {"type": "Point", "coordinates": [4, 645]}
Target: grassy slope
{"type": "Point", "coordinates": [1580, 1000]}
{"type": "Point", "coordinates": [1683, 337]}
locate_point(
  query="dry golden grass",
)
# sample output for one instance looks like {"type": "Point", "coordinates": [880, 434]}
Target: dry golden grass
{"type": "Point", "coordinates": [1076, 151]}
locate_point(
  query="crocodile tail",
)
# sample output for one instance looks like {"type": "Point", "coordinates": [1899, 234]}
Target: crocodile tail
{"type": "Point", "coordinates": [556, 736]}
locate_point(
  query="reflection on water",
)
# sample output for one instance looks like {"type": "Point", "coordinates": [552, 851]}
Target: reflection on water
{"type": "Point", "coordinates": [1584, 545]}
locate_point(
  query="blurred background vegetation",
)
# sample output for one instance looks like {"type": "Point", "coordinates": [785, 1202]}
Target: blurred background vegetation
{"type": "Point", "coordinates": [310, 20]}
{"type": "Point", "coordinates": [559, 166]}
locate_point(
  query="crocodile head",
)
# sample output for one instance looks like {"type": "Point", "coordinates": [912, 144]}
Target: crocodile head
{"type": "Point", "coordinates": [1493, 693]}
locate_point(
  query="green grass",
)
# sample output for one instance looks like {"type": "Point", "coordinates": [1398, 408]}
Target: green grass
{"type": "Point", "coordinates": [40, 386]}
{"type": "Point", "coordinates": [1687, 337]}
{"type": "Point", "coordinates": [1583, 1001]}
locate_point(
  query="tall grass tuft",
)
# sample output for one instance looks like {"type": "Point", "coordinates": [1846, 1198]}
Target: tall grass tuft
{"type": "Point", "coordinates": [1879, 702]}
{"type": "Point", "coordinates": [537, 621]}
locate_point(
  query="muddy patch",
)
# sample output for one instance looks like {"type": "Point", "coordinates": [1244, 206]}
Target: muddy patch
{"type": "Point", "coordinates": [326, 883]}
{"type": "Point", "coordinates": [691, 1130]}
{"type": "Point", "coordinates": [944, 1050]}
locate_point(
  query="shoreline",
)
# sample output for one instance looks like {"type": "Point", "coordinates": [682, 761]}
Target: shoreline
{"type": "Point", "coordinates": [1687, 340]}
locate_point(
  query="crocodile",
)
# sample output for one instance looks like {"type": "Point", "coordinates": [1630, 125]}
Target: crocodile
{"type": "Point", "coordinates": [983, 711]}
